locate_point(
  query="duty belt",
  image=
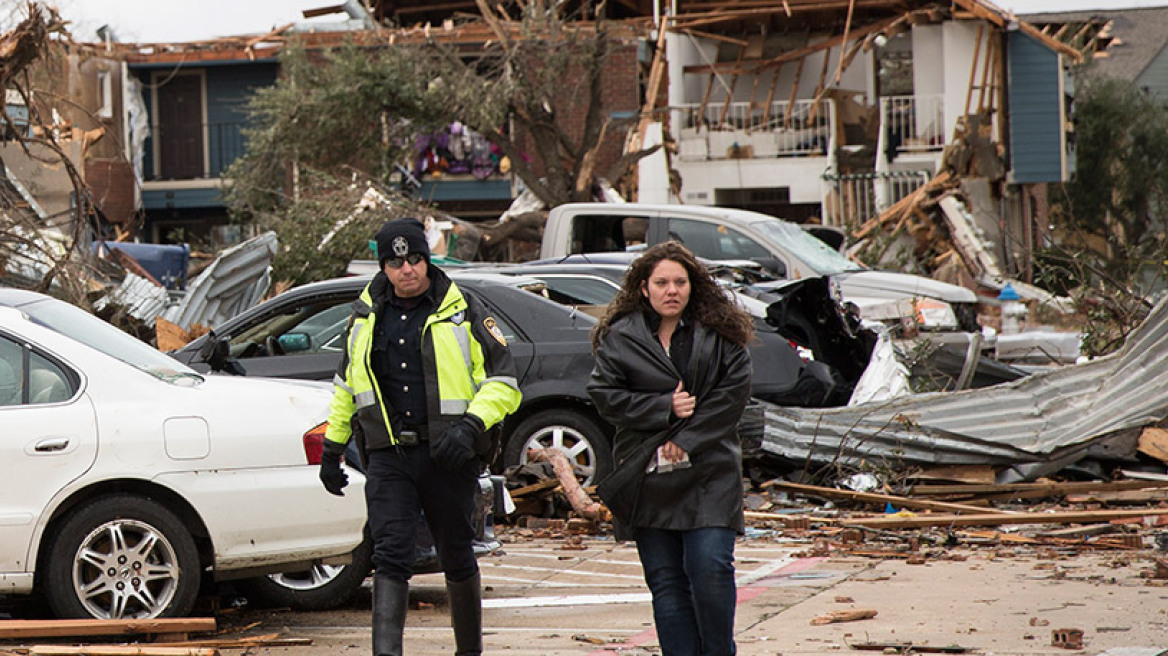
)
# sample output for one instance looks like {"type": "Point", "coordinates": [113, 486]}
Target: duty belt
{"type": "Point", "coordinates": [413, 435]}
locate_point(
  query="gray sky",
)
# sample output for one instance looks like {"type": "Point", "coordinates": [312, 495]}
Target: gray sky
{"type": "Point", "coordinates": [192, 20]}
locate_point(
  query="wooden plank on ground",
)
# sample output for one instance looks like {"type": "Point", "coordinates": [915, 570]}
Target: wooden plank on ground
{"type": "Point", "coordinates": [56, 628]}
{"type": "Point", "coordinates": [265, 640]}
{"type": "Point", "coordinates": [1035, 490]}
{"type": "Point", "coordinates": [119, 650]}
{"type": "Point", "coordinates": [1068, 517]}
{"type": "Point", "coordinates": [880, 499]}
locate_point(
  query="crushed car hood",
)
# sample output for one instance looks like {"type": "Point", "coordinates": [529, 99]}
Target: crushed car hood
{"type": "Point", "coordinates": [889, 285]}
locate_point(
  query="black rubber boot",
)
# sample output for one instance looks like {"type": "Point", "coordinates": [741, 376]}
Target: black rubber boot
{"type": "Point", "coordinates": [466, 615]}
{"type": "Point", "coordinates": [390, 597]}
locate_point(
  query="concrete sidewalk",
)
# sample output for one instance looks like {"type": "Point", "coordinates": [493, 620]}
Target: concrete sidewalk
{"type": "Point", "coordinates": [543, 599]}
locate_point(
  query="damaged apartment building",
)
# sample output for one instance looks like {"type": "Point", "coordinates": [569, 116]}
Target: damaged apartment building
{"type": "Point", "coordinates": [803, 109]}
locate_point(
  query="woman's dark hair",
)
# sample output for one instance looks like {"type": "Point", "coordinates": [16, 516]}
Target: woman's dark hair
{"type": "Point", "coordinates": [708, 303]}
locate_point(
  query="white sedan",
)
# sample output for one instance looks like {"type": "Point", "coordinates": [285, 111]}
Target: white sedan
{"type": "Point", "coordinates": [128, 477]}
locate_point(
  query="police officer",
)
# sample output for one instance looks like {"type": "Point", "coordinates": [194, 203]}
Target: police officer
{"type": "Point", "coordinates": [426, 374]}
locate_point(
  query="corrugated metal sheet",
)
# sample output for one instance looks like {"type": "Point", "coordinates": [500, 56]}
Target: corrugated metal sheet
{"type": "Point", "coordinates": [143, 299]}
{"type": "Point", "coordinates": [234, 282]}
{"type": "Point", "coordinates": [1033, 426]}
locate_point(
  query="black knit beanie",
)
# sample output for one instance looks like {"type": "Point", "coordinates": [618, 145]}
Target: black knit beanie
{"type": "Point", "coordinates": [399, 237]}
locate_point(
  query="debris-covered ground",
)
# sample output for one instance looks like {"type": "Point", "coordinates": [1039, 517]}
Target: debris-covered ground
{"type": "Point", "coordinates": [1037, 568]}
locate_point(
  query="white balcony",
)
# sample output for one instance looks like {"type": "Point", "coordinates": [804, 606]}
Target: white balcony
{"type": "Point", "coordinates": [743, 130]}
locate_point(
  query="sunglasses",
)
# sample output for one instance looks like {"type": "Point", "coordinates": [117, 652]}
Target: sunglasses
{"type": "Point", "coordinates": [396, 262]}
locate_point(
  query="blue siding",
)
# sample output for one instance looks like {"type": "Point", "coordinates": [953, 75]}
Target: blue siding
{"type": "Point", "coordinates": [158, 199]}
{"type": "Point", "coordinates": [451, 190]}
{"type": "Point", "coordinates": [228, 90]}
{"type": "Point", "coordinates": [1036, 125]}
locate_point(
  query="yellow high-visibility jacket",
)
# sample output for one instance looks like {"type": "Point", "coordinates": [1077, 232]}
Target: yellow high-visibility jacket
{"type": "Point", "coordinates": [466, 365]}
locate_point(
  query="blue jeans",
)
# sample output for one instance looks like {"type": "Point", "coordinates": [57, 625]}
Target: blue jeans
{"type": "Point", "coordinates": [691, 576]}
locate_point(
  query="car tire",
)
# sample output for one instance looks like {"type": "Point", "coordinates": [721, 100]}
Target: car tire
{"type": "Point", "coordinates": [323, 587]}
{"type": "Point", "coordinates": [122, 557]}
{"type": "Point", "coordinates": [578, 435]}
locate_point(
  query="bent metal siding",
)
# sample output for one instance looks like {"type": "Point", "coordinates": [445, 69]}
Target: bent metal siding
{"type": "Point", "coordinates": [1030, 427]}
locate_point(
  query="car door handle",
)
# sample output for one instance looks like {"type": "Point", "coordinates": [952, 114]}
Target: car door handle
{"type": "Point", "coordinates": [51, 444]}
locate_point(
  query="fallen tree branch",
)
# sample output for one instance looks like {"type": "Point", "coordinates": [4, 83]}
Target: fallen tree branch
{"type": "Point", "coordinates": [581, 502]}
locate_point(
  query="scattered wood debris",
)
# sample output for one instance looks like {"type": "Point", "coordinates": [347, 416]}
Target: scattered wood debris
{"type": "Point", "coordinates": [171, 627]}
{"type": "Point", "coordinates": [909, 648]}
{"type": "Point", "coordinates": [836, 616]}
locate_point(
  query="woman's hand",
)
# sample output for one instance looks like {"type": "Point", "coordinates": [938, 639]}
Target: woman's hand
{"type": "Point", "coordinates": [670, 452]}
{"type": "Point", "coordinates": [683, 402]}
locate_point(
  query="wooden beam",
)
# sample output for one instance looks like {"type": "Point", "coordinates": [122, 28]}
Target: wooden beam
{"type": "Point", "coordinates": [986, 67]}
{"type": "Point", "coordinates": [819, 86]}
{"type": "Point", "coordinates": [1034, 490]}
{"type": "Point", "coordinates": [879, 499]}
{"type": "Point", "coordinates": [770, 100]}
{"type": "Point", "coordinates": [981, 11]}
{"type": "Point", "coordinates": [839, 71]}
{"type": "Point", "coordinates": [713, 37]}
{"type": "Point", "coordinates": [57, 628]}
{"type": "Point", "coordinates": [730, 88]}
{"type": "Point", "coordinates": [119, 650]}
{"type": "Point", "coordinates": [794, 94]}
{"type": "Point", "coordinates": [995, 519]}
{"type": "Point", "coordinates": [795, 55]}
{"type": "Point", "coordinates": [973, 68]}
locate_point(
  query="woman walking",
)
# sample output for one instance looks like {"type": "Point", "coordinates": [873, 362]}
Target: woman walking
{"type": "Point", "coordinates": [672, 374]}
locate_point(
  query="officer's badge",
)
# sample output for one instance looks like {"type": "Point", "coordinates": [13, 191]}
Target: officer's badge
{"type": "Point", "coordinates": [492, 327]}
{"type": "Point", "coordinates": [401, 247]}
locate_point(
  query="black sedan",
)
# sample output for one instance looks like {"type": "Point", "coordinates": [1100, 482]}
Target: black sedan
{"type": "Point", "coordinates": [298, 335]}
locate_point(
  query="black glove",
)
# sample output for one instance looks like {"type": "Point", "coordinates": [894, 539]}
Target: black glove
{"type": "Point", "coordinates": [455, 446]}
{"type": "Point", "coordinates": [334, 478]}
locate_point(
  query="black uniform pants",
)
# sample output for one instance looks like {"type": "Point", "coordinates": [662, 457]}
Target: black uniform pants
{"type": "Point", "coordinates": [401, 483]}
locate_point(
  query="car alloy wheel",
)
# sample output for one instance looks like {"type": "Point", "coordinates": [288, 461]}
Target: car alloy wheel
{"type": "Point", "coordinates": [578, 436]}
{"type": "Point", "coordinates": [122, 557]}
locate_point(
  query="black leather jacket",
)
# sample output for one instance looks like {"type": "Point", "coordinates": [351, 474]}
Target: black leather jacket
{"type": "Point", "coordinates": [632, 385]}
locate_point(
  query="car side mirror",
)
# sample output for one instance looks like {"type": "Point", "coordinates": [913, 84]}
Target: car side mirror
{"type": "Point", "coordinates": [294, 342]}
{"type": "Point", "coordinates": [216, 352]}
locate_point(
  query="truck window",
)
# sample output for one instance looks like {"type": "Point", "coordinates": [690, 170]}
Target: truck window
{"type": "Point", "coordinates": [713, 241]}
{"type": "Point", "coordinates": [601, 233]}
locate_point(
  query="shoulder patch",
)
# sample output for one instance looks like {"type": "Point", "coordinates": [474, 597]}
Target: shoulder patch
{"type": "Point", "coordinates": [492, 327]}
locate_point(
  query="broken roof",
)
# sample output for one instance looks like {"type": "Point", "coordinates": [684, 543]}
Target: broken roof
{"type": "Point", "coordinates": [461, 22]}
{"type": "Point", "coordinates": [1123, 42]}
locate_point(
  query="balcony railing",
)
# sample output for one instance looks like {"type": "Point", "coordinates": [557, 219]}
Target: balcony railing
{"type": "Point", "coordinates": [198, 150]}
{"type": "Point", "coordinates": [743, 130]}
{"type": "Point", "coordinates": [853, 198]}
{"type": "Point", "coordinates": [913, 123]}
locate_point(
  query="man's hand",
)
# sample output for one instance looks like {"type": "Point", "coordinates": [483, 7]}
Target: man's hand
{"type": "Point", "coordinates": [455, 445]}
{"type": "Point", "coordinates": [334, 478]}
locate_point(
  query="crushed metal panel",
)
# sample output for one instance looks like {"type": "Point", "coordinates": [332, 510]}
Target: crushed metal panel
{"type": "Point", "coordinates": [1035, 425]}
{"type": "Point", "coordinates": [234, 282]}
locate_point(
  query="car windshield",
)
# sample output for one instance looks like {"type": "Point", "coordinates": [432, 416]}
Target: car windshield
{"type": "Point", "coordinates": [809, 248]}
{"type": "Point", "coordinates": [83, 327]}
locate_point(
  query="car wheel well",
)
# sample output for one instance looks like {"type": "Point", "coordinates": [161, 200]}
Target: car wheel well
{"type": "Point", "coordinates": [553, 403]}
{"type": "Point", "coordinates": [162, 495]}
